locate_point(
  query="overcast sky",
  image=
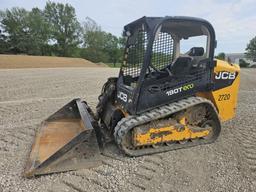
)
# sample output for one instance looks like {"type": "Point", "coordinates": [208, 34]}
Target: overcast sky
{"type": "Point", "coordinates": [234, 20]}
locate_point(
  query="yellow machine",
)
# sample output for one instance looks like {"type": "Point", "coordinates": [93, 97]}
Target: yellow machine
{"type": "Point", "coordinates": [163, 99]}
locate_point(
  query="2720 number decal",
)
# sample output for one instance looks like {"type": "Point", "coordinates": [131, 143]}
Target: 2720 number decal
{"type": "Point", "coordinates": [224, 97]}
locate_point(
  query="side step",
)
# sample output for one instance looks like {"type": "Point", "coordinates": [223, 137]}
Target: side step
{"type": "Point", "coordinates": [65, 141]}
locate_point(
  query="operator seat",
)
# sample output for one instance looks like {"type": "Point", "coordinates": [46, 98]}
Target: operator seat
{"type": "Point", "coordinates": [196, 51]}
{"type": "Point", "coordinates": [197, 54]}
{"type": "Point", "coordinates": [181, 66]}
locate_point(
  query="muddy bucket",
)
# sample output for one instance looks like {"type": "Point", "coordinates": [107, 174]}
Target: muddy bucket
{"type": "Point", "coordinates": [64, 141]}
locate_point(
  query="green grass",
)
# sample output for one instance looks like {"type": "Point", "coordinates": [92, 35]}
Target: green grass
{"type": "Point", "coordinates": [118, 65]}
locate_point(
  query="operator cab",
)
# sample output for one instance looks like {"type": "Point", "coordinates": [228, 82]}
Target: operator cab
{"type": "Point", "coordinates": [162, 54]}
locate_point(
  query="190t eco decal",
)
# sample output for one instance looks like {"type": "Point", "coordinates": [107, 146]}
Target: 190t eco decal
{"type": "Point", "coordinates": [180, 89]}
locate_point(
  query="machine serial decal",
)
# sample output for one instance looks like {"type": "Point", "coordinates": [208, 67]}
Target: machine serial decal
{"type": "Point", "coordinates": [224, 97]}
{"type": "Point", "coordinates": [123, 96]}
{"type": "Point", "coordinates": [180, 89]}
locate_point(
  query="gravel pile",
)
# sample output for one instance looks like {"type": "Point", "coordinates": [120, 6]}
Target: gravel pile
{"type": "Point", "coordinates": [27, 96]}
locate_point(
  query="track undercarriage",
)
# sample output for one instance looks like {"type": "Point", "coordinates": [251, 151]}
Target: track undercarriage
{"type": "Point", "coordinates": [189, 122]}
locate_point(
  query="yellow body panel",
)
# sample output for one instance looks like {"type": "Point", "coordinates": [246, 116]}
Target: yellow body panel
{"type": "Point", "coordinates": [225, 99]}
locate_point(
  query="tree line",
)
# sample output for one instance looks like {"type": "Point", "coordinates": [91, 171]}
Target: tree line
{"type": "Point", "coordinates": [56, 31]}
{"type": "Point", "coordinates": [250, 54]}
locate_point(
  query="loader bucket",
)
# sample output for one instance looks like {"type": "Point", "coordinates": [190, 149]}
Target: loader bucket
{"type": "Point", "coordinates": [64, 141]}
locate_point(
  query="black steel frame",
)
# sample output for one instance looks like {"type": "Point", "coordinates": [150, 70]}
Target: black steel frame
{"type": "Point", "coordinates": [150, 93]}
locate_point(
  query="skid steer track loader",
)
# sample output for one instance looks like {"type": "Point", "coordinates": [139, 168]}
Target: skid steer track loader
{"type": "Point", "coordinates": [163, 99]}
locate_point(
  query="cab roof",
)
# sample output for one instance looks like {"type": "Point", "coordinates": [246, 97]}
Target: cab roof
{"type": "Point", "coordinates": [182, 26]}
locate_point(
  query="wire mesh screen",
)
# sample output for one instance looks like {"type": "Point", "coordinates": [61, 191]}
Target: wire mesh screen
{"type": "Point", "coordinates": [197, 75]}
{"type": "Point", "coordinates": [162, 52]}
{"type": "Point", "coordinates": [135, 54]}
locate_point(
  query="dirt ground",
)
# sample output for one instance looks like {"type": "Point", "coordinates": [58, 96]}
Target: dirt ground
{"type": "Point", "coordinates": [27, 96]}
{"type": "Point", "coordinates": [25, 61]}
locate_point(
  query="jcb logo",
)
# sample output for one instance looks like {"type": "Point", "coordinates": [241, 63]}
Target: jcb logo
{"type": "Point", "coordinates": [225, 75]}
{"type": "Point", "coordinates": [122, 96]}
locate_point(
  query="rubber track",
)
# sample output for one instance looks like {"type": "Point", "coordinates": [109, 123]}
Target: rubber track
{"type": "Point", "coordinates": [128, 123]}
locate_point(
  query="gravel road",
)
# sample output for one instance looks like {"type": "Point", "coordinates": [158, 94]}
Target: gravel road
{"type": "Point", "coordinates": [27, 96]}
